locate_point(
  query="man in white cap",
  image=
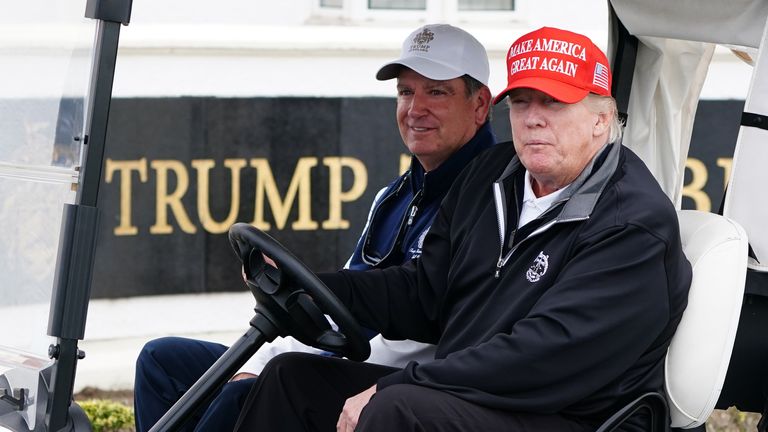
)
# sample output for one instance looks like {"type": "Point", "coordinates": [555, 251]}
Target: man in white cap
{"type": "Point", "coordinates": [443, 104]}
{"type": "Point", "coordinates": [552, 280]}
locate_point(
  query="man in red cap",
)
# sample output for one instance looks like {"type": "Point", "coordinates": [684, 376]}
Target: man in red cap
{"type": "Point", "coordinates": [552, 279]}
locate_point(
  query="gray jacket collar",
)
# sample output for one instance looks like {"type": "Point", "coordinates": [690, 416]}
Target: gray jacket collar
{"type": "Point", "coordinates": [582, 194]}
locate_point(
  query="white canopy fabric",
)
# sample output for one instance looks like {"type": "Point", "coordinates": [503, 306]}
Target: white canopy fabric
{"type": "Point", "coordinates": [749, 174]}
{"type": "Point", "coordinates": [668, 78]}
{"type": "Point", "coordinates": [732, 22]}
{"type": "Point", "coordinates": [676, 43]}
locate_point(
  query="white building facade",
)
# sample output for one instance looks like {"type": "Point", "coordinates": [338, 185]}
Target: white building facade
{"type": "Point", "coordinates": [239, 48]}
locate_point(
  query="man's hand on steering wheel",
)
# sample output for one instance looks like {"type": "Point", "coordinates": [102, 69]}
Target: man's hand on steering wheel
{"type": "Point", "coordinates": [293, 298]}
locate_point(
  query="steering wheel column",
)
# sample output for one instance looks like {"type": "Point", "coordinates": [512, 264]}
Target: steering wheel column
{"type": "Point", "coordinates": [290, 300]}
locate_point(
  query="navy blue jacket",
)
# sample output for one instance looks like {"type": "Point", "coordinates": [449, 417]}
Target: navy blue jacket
{"type": "Point", "coordinates": [403, 212]}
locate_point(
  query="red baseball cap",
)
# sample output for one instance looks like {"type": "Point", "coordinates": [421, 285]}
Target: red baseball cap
{"type": "Point", "coordinates": [560, 63]}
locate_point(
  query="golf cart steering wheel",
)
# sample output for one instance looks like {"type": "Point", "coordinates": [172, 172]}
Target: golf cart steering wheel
{"type": "Point", "coordinates": [293, 298]}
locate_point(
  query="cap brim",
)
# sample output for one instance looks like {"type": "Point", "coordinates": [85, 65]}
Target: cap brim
{"type": "Point", "coordinates": [559, 90]}
{"type": "Point", "coordinates": [423, 66]}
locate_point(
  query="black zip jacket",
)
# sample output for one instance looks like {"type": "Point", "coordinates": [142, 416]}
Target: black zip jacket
{"type": "Point", "coordinates": [571, 314]}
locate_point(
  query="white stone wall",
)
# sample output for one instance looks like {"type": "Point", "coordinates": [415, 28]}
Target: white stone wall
{"type": "Point", "coordinates": [242, 48]}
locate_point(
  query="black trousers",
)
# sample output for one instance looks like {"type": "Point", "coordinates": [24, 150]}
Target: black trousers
{"type": "Point", "coordinates": [304, 392]}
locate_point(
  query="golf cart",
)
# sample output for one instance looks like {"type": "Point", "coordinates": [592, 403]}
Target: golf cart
{"type": "Point", "coordinates": [659, 70]}
{"type": "Point", "coordinates": [657, 84]}
{"type": "Point", "coordinates": [662, 54]}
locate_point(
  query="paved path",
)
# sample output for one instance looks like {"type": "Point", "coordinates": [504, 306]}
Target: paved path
{"type": "Point", "coordinates": [117, 329]}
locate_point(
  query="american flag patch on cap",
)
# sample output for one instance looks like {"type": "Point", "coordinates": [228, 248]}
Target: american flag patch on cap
{"type": "Point", "coordinates": [601, 76]}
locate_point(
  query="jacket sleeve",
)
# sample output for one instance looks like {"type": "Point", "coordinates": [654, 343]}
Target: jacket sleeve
{"type": "Point", "coordinates": [401, 302]}
{"type": "Point", "coordinates": [386, 300]}
{"type": "Point", "coordinates": [602, 320]}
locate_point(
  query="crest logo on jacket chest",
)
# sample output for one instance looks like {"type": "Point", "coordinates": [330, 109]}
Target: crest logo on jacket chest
{"type": "Point", "coordinates": [538, 268]}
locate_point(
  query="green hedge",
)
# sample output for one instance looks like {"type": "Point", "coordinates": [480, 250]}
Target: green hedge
{"type": "Point", "coordinates": [108, 416]}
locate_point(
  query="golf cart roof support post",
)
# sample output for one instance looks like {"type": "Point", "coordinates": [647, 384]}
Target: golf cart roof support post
{"type": "Point", "coordinates": [97, 116]}
{"type": "Point", "coordinates": [72, 278]}
{"type": "Point", "coordinates": [69, 305]}
{"type": "Point", "coordinates": [623, 66]}
{"type": "Point", "coordinates": [118, 11]}
{"type": "Point", "coordinates": [62, 386]}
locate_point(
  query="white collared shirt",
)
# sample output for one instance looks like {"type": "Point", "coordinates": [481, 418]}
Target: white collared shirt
{"type": "Point", "coordinates": [533, 207]}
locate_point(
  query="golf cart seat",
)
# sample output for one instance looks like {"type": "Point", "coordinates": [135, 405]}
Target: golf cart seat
{"type": "Point", "coordinates": [698, 356]}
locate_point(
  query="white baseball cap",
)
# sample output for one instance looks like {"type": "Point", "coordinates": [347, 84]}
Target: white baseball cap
{"type": "Point", "coordinates": [440, 52]}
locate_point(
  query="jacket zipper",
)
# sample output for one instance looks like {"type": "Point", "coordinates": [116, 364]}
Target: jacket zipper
{"type": "Point", "coordinates": [412, 215]}
{"type": "Point", "coordinates": [415, 203]}
{"type": "Point", "coordinates": [414, 208]}
{"type": "Point", "coordinates": [498, 195]}
{"type": "Point", "coordinates": [402, 228]}
{"type": "Point", "coordinates": [503, 260]}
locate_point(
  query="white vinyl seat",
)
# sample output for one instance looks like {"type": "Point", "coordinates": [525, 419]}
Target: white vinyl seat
{"type": "Point", "coordinates": [699, 353]}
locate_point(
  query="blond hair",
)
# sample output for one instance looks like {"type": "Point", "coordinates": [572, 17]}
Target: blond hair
{"type": "Point", "coordinates": [606, 104]}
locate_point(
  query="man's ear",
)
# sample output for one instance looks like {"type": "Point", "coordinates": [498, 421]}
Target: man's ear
{"type": "Point", "coordinates": [482, 105]}
{"type": "Point", "coordinates": [602, 124]}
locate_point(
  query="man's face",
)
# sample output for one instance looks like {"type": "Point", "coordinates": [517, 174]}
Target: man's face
{"type": "Point", "coordinates": [553, 140]}
{"type": "Point", "coordinates": [436, 118]}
